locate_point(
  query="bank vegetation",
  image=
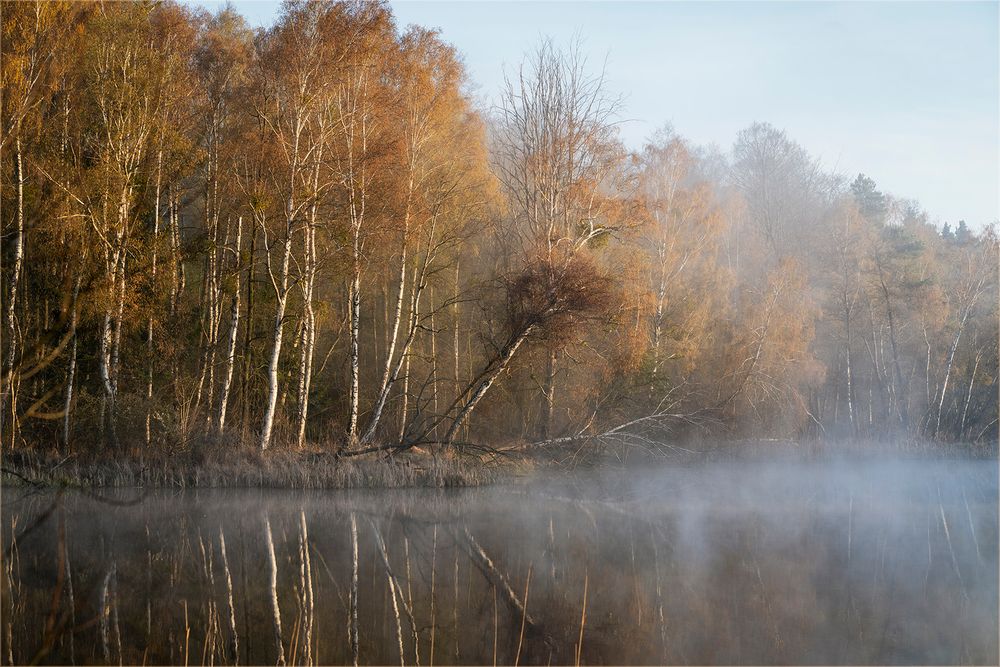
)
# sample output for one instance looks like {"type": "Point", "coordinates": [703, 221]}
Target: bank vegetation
{"type": "Point", "coordinates": [310, 238]}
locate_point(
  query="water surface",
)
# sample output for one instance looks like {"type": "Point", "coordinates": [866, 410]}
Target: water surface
{"type": "Point", "coordinates": [724, 563]}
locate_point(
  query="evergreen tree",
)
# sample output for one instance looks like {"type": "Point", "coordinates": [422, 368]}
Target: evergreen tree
{"type": "Point", "coordinates": [871, 202]}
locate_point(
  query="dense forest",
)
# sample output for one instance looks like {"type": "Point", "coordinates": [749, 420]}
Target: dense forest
{"type": "Point", "coordinates": [311, 235]}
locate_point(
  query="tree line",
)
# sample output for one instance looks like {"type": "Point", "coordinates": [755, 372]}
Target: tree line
{"type": "Point", "coordinates": [311, 234]}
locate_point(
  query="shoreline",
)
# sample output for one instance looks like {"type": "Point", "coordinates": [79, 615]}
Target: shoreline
{"type": "Point", "coordinates": [318, 470]}
{"type": "Point", "coordinates": [279, 469]}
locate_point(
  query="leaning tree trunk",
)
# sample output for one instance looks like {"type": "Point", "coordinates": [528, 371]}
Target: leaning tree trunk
{"type": "Point", "coordinates": [947, 372]}
{"type": "Point", "coordinates": [482, 383]}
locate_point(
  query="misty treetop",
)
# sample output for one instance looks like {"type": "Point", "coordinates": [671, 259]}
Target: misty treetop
{"type": "Point", "coordinates": [310, 235]}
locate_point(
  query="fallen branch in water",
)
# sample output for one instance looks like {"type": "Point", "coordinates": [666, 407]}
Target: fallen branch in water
{"type": "Point", "coordinates": [492, 574]}
{"type": "Point", "coordinates": [396, 591]}
{"type": "Point", "coordinates": [21, 460]}
{"type": "Point", "coordinates": [76, 487]}
{"type": "Point", "coordinates": [39, 520]}
{"type": "Point", "coordinates": [23, 478]}
{"type": "Point", "coordinates": [625, 435]}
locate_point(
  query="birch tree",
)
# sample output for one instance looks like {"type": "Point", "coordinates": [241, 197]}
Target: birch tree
{"type": "Point", "coordinates": [289, 66]}
{"type": "Point", "coordinates": [561, 168]}
{"type": "Point", "coordinates": [223, 58]}
{"type": "Point", "coordinates": [122, 82]}
{"type": "Point", "coordinates": [36, 37]}
{"type": "Point", "coordinates": [442, 183]}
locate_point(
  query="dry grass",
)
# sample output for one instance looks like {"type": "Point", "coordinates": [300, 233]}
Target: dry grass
{"type": "Point", "coordinates": [245, 468]}
{"type": "Point", "coordinates": [233, 465]}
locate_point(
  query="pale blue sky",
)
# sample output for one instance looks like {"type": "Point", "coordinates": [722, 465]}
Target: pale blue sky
{"type": "Point", "coordinates": [906, 92]}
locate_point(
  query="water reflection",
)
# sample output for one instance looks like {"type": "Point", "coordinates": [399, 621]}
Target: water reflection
{"type": "Point", "coordinates": [715, 564]}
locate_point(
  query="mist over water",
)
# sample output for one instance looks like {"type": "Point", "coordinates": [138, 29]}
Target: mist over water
{"type": "Point", "coordinates": [793, 562]}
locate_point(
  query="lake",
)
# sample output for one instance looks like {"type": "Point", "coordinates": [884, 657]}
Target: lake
{"type": "Point", "coordinates": [880, 562]}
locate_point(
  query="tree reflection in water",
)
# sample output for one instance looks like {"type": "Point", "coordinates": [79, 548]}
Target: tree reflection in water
{"type": "Point", "coordinates": [714, 564]}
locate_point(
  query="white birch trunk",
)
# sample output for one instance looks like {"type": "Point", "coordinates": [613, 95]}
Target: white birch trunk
{"type": "Point", "coordinates": [480, 386]}
{"type": "Point", "coordinates": [387, 375]}
{"type": "Point", "coordinates": [357, 191]}
{"type": "Point", "coordinates": [281, 295]}
{"type": "Point", "coordinates": [149, 322]}
{"type": "Point", "coordinates": [11, 322]}
{"type": "Point", "coordinates": [71, 372]}
{"type": "Point", "coordinates": [308, 340]}
{"type": "Point", "coordinates": [234, 325]}
{"type": "Point", "coordinates": [947, 372]}
{"type": "Point", "coordinates": [354, 295]}
{"type": "Point", "coordinates": [968, 396]}
{"type": "Point", "coordinates": [176, 266]}
{"type": "Point", "coordinates": [433, 378]}
{"type": "Point", "coordinates": [456, 314]}
{"type": "Point", "coordinates": [549, 392]}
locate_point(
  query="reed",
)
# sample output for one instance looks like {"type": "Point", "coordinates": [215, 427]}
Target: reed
{"type": "Point", "coordinates": [496, 626]}
{"type": "Point", "coordinates": [583, 618]}
{"type": "Point", "coordinates": [244, 468]}
{"type": "Point", "coordinates": [524, 618]}
{"type": "Point", "coordinates": [187, 633]}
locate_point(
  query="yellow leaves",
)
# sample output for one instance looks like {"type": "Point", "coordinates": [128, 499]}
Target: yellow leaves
{"type": "Point", "coordinates": [39, 41]}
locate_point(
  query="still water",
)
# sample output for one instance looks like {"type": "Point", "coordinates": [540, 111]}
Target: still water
{"type": "Point", "coordinates": [752, 563]}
